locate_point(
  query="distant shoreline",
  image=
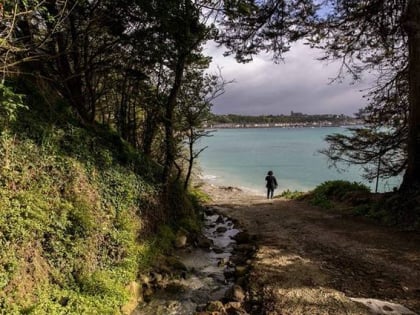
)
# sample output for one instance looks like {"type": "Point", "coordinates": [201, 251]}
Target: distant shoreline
{"type": "Point", "coordinates": [280, 126]}
{"type": "Point", "coordinates": [294, 120]}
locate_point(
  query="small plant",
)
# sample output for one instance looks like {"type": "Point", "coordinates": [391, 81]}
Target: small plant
{"type": "Point", "coordinates": [198, 197]}
{"type": "Point", "coordinates": [10, 103]}
{"type": "Point", "coordinates": [293, 195]}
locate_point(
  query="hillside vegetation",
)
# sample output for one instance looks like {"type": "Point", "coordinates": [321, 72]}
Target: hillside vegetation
{"type": "Point", "coordinates": [80, 217]}
{"type": "Point", "coordinates": [293, 118]}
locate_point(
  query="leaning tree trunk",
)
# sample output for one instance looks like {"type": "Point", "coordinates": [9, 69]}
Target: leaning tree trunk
{"type": "Point", "coordinates": [411, 178]}
{"type": "Point", "coordinates": [170, 150]}
{"type": "Point", "coordinates": [190, 159]}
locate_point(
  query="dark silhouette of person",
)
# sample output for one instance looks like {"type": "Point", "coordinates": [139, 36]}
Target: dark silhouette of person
{"type": "Point", "coordinates": [271, 184]}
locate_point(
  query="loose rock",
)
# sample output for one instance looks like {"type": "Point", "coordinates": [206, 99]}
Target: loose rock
{"type": "Point", "coordinates": [236, 293]}
{"type": "Point", "coordinates": [215, 306]}
{"type": "Point", "coordinates": [203, 242]}
{"type": "Point", "coordinates": [180, 241]}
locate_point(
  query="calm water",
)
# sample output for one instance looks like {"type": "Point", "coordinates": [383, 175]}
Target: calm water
{"type": "Point", "coordinates": [242, 157]}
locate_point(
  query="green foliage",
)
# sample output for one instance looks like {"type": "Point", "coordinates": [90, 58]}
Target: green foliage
{"type": "Point", "coordinates": [166, 237]}
{"type": "Point", "coordinates": [102, 283]}
{"type": "Point", "coordinates": [198, 197]}
{"type": "Point", "coordinates": [288, 194]}
{"type": "Point", "coordinates": [147, 251]}
{"type": "Point", "coordinates": [191, 224]}
{"type": "Point", "coordinates": [397, 209]}
{"type": "Point", "coordinates": [73, 203]}
{"type": "Point", "coordinates": [57, 301]}
{"type": "Point", "coordinates": [322, 201]}
{"type": "Point", "coordinates": [10, 103]}
{"type": "Point", "coordinates": [337, 190]}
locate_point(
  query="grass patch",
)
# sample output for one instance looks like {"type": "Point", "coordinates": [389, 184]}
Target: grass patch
{"type": "Point", "coordinates": [292, 195]}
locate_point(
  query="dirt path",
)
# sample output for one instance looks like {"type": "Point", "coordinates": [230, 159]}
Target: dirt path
{"type": "Point", "coordinates": [312, 261]}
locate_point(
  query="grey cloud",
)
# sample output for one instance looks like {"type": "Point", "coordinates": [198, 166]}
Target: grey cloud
{"type": "Point", "coordinates": [300, 84]}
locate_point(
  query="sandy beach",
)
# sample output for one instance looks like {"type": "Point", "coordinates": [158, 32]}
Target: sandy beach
{"type": "Point", "coordinates": [316, 261]}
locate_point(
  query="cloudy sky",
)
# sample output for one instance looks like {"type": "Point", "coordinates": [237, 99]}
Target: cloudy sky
{"type": "Point", "coordinates": [300, 84]}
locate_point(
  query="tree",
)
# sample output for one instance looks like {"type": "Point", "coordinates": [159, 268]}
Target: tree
{"type": "Point", "coordinates": [190, 34]}
{"type": "Point", "coordinates": [14, 48]}
{"type": "Point", "coordinates": [16, 51]}
{"type": "Point", "coordinates": [411, 26]}
{"type": "Point", "coordinates": [381, 36]}
{"type": "Point", "coordinates": [384, 41]}
{"type": "Point", "coordinates": [177, 36]}
{"type": "Point", "coordinates": [71, 45]}
{"type": "Point", "coordinates": [249, 27]}
{"type": "Point", "coordinates": [82, 54]}
{"type": "Point", "coordinates": [195, 101]}
{"type": "Point", "coordinates": [383, 138]}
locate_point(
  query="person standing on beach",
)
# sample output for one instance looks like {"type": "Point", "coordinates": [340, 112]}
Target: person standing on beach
{"type": "Point", "coordinates": [271, 184]}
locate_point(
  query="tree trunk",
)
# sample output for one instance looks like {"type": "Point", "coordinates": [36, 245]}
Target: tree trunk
{"type": "Point", "coordinates": [170, 150]}
{"type": "Point", "coordinates": [71, 83]}
{"type": "Point", "coordinates": [411, 178]}
{"type": "Point", "coordinates": [149, 131]}
{"type": "Point", "coordinates": [122, 110]}
{"type": "Point", "coordinates": [190, 159]}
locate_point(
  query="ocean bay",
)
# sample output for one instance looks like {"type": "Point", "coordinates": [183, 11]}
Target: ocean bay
{"type": "Point", "coordinates": [242, 158]}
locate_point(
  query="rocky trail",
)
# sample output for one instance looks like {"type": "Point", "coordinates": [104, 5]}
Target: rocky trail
{"type": "Point", "coordinates": [313, 261]}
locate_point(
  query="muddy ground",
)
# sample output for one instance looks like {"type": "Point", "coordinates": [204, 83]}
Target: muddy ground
{"type": "Point", "coordinates": [312, 261]}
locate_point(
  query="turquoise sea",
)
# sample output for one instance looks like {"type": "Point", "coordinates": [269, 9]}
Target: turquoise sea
{"type": "Point", "coordinates": [242, 158]}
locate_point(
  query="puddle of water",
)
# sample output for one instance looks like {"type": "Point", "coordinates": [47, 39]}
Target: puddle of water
{"type": "Point", "coordinates": [205, 280]}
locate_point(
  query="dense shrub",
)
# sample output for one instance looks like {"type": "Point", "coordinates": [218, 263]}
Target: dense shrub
{"type": "Point", "coordinates": [395, 208]}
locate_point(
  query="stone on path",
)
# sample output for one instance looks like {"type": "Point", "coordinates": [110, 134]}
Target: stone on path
{"type": "Point", "coordinates": [384, 307]}
{"type": "Point", "coordinates": [180, 241]}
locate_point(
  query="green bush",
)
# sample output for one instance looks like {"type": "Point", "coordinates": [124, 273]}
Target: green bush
{"type": "Point", "coordinates": [397, 208]}
{"type": "Point", "coordinates": [337, 190]}
{"type": "Point", "coordinates": [321, 200]}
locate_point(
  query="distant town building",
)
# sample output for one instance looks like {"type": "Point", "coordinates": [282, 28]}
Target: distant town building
{"type": "Point", "coordinates": [292, 113]}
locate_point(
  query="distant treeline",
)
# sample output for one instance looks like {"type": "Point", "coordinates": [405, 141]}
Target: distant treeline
{"type": "Point", "coordinates": [277, 119]}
